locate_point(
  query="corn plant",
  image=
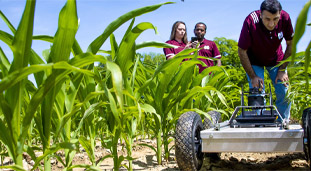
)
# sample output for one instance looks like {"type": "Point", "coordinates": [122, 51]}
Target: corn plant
{"type": "Point", "coordinates": [169, 91]}
{"type": "Point", "coordinates": [300, 68]}
{"type": "Point", "coordinates": [300, 26]}
{"type": "Point", "coordinates": [299, 95]}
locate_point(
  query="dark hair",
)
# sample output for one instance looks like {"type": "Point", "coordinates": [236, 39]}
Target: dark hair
{"type": "Point", "coordinates": [273, 6]}
{"type": "Point", "coordinates": [173, 32]}
{"type": "Point", "coordinates": [199, 23]}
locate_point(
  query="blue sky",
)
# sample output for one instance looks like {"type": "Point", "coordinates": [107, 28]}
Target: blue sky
{"type": "Point", "coordinates": [224, 18]}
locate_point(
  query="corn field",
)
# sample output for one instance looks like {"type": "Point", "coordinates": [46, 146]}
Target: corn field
{"type": "Point", "coordinates": [73, 103]}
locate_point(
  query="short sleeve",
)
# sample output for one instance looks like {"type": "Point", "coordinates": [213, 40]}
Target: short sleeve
{"type": "Point", "coordinates": [288, 28]}
{"type": "Point", "coordinates": [245, 39]}
{"type": "Point", "coordinates": [216, 52]}
{"type": "Point", "coordinates": [168, 51]}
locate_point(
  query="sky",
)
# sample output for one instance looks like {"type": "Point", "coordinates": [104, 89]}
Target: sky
{"type": "Point", "coordinates": [224, 18]}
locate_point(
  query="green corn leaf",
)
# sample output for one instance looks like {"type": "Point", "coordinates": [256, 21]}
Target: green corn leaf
{"type": "Point", "coordinates": [147, 108]}
{"type": "Point", "coordinates": [116, 81]}
{"type": "Point", "coordinates": [21, 47]}
{"type": "Point", "coordinates": [86, 114]}
{"type": "Point", "coordinates": [194, 91]}
{"type": "Point", "coordinates": [114, 46]}
{"type": "Point", "coordinates": [41, 93]}
{"type": "Point", "coordinates": [99, 41]}
{"type": "Point", "coordinates": [164, 67]}
{"type": "Point", "coordinates": [300, 27]}
{"type": "Point", "coordinates": [19, 75]}
{"type": "Point", "coordinates": [105, 51]}
{"type": "Point", "coordinates": [149, 146]}
{"type": "Point", "coordinates": [13, 167]}
{"type": "Point", "coordinates": [35, 59]}
{"type": "Point", "coordinates": [65, 35]}
{"type": "Point", "coordinates": [180, 81]}
{"type": "Point", "coordinates": [129, 29]}
{"type": "Point", "coordinates": [113, 107]}
{"type": "Point", "coordinates": [126, 53]}
{"type": "Point", "coordinates": [59, 159]}
{"type": "Point", "coordinates": [88, 148]}
{"type": "Point", "coordinates": [307, 65]}
{"type": "Point", "coordinates": [6, 38]}
{"type": "Point", "coordinates": [4, 64]}
{"type": "Point", "coordinates": [120, 160]}
{"type": "Point", "coordinates": [154, 44]}
{"type": "Point", "coordinates": [76, 48]}
{"type": "Point", "coordinates": [54, 149]}
{"type": "Point", "coordinates": [44, 38]}
{"type": "Point", "coordinates": [132, 80]}
{"type": "Point", "coordinates": [98, 162]}
{"type": "Point", "coordinates": [5, 138]}
{"type": "Point", "coordinates": [76, 108]}
{"type": "Point", "coordinates": [197, 80]}
{"type": "Point", "coordinates": [8, 23]}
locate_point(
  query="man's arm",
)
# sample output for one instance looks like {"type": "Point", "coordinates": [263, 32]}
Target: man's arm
{"type": "Point", "coordinates": [218, 62]}
{"type": "Point", "coordinates": [287, 54]}
{"type": "Point", "coordinates": [248, 68]}
{"type": "Point", "coordinates": [282, 75]}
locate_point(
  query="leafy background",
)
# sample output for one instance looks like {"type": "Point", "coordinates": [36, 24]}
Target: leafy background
{"type": "Point", "coordinates": [74, 102]}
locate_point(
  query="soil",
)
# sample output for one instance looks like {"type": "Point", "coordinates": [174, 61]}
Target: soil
{"type": "Point", "coordinates": [145, 159]}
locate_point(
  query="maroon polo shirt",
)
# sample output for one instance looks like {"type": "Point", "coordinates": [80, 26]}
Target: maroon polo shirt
{"type": "Point", "coordinates": [209, 49]}
{"type": "Point", "coordinates": [173, 51]}
{"type": "Point", "coordinates": [263, 46]}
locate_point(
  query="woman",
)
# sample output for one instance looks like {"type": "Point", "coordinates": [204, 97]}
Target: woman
{"type": "Point", "coordinates": [178, 38]}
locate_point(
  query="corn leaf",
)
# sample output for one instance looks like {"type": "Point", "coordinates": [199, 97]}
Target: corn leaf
{"type": "Point", "coordinates": [116, 81]}
{"type": "Point", "coordinates": [99, 41]}
{"type": "Point", "coordinates": [65, 35]}
{"type": "Point", "coordinates": [300, 27]}
{"type": "Point", "coordinates": [8, 23]}
{"type": "Point", "coordinates": [6, 38]}
{"type": "Point", "coordinates": [126, 53]}
{"type": "Point", "coordinates": [154, 44]}
{"type": "Point", "coordinates": [13, 167]}
{"type": "Point", "coordinates": [21, 47]}
{"type": "Point", "coordinates": [88, 148]}
{"type": "Point", "coordinates": [4, 64]}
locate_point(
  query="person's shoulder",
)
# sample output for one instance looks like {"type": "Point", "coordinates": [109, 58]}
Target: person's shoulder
{"type": "Point", "coordinates": [253, 17]}
{"type": "Point", "coordinates": [208, 42]}
{"type": "Point", "coordinates": [284, 15]}
{"type": "Point", "coordinates": [173, 42]}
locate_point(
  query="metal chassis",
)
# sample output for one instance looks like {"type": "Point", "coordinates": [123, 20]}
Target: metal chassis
{"type": "Point", "coordinates": [234, 136]}
{"type": "Point", "coordinates": [230, 136]}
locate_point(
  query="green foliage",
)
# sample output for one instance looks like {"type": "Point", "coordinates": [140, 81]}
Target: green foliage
{"type": "Point", "coordinates": [228, 49]}
{"type": "Point", "coordinates": [300, 67]}
{"type": "Point", "coordinates": [127, 96]}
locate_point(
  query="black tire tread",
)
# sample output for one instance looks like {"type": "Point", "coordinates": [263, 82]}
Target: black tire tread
{"type": "Point", "coordinates": [306, 125]}
{"type": "Point", "coordinates": [216, 118]}
{"type": "Point", "coordinates": [184, 153]}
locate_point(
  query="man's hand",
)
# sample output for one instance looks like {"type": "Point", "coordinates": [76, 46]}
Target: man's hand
{"type": "Point", "coordinates": [194, 44]}
{"type": "Point", "coordinates": [283, 77]}
{"type": "Point", "coordinates": [188, 45]}
{"type": "Point", "coordinates": [256, 81]}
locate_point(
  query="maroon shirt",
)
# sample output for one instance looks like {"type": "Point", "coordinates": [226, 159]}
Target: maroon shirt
{"type": "Point", "coordinates": [173, 51]}
{"type": "Point", "coordinates": [263, 46]}
{"type": "Point", "coordinates": [209, 49]}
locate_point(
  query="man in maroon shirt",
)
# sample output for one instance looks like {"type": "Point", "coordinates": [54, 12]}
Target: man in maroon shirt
{"type": "Point", "coordinates": [260, 47]}
{"type": "Point", "coordinates": [206, 47]}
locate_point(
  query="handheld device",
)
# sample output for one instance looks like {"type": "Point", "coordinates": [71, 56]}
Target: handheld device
{"type": "Point", "coordinates": [194, 39]}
